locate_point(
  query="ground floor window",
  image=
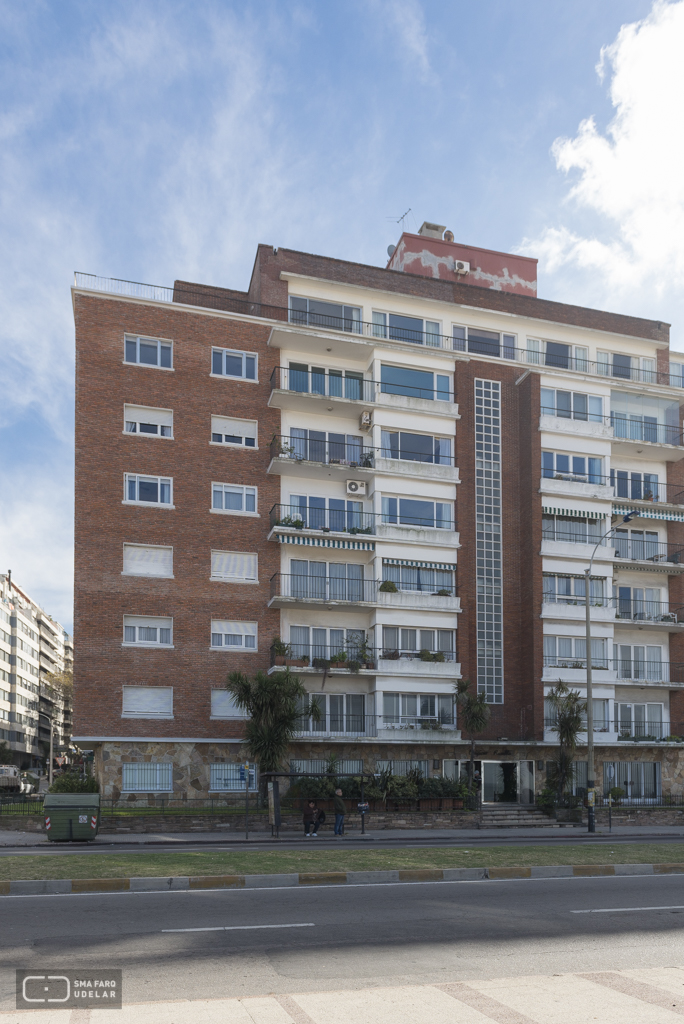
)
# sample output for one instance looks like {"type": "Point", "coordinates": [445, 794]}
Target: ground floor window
{"type": "Point", "coordinates": [403, 767]}
{"type": "Point", "coordinates": [639, 780]}
{"type": "Point", "coordinates": [147, 778]}
{"type": "Point", "coordinates": [231, 777]}
{"type": "Point", "coordinates": [320, 766]}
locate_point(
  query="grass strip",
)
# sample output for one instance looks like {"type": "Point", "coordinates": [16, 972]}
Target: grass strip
{"type": "Point", "coordinates": [123, 865]}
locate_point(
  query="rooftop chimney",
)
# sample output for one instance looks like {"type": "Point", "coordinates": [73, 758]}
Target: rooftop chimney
{"type": "Point", "coordinates": [428, 230]}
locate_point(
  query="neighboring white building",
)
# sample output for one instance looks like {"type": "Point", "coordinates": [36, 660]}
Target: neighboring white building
{"type": "Point", "coordinates": [33, 646]}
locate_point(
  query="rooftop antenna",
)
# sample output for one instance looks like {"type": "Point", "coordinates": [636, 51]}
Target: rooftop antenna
{"type": "Point", "coordinates": [403, 217]}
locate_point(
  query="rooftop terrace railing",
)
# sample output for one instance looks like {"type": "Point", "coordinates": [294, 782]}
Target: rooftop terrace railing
{"type": "Point", "coordinates": [222, 299]}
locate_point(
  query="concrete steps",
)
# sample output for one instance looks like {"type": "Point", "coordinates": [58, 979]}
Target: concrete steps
{"type": "Point", "coordinates": [515, 816]}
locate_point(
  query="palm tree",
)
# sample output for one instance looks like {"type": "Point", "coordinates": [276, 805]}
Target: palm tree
{"type": "Point", "coordinates": [473, 715]}
{"type": "Point", "coordinates": [568, 711]}
{"type": "Point", "coordinates": [276, 706]}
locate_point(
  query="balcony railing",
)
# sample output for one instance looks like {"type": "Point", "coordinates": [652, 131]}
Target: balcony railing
{"type": "Point", "coordinates": [323, 588]}
{"type": "Point", "coordinates": [633, 669]}
{"type": "Point", "coordinates": [325, 383]}
{"type": "Point", "coordinates": [634, 609]}
{"type": "Point", "coordinates": [600, 724]}
{"type": "Point", "coordinates": [350, 657]}
{"type": "Point", "coordinates": [634, 731]}
{"type": "Point", "coordinates": [632, 428]}
{"type": "Point", "coordinates": [371, 725]}
{"type": "Point", "coordinates": [347, 452]}
{"type": "Point", "coordinates": [644, 550]}
{"type": "Point", "coordinates": [330, 520]}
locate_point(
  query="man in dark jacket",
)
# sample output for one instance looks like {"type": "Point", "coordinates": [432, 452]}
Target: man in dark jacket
{"type": "Point", "coordinates": [311, 816]}
{"type": "Point", "coordinates": [340, 811]}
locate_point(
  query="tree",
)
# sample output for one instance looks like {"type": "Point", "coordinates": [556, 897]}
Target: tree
{"type": "Point", "coordinates": [473, 716]}
{"type": "Point", "coordinates": [567, 710]}
{"type": "Point", "coordinates": [276, 706]}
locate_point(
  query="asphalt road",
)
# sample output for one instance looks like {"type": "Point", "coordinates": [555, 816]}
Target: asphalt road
{"type": "Point", "coordinates": [350, 937]}
{"type": "Point", "coordinates": [407, 840]}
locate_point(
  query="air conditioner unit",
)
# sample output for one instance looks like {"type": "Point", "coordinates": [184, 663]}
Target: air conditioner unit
{"type": "Point", "coordinates": [357, 487]}
{"type": "Point", "coordinates": [365, 422]}
{"type": "Point", "coordinates": [461, 267]}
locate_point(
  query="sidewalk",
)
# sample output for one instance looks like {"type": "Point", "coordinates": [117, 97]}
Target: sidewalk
{"type": "Point", "coordinates": [409, 837]}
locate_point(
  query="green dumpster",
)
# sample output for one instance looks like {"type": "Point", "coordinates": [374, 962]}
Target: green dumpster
{"type": "Point", "coordinates": [71, 816]}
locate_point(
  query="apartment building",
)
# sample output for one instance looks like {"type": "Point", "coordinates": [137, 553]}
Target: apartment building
{"type": "Point", "coordinates": [33, 648]}
{"type": "Point", "coordinates": [388, 478]}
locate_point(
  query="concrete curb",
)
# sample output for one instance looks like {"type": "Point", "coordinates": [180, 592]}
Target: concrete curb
{"type": "Point", "coordinates": [61, 886]}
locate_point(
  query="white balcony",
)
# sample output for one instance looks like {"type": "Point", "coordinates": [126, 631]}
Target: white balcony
{"type": "Point", "coordinates": [414, 600]}
{"type": "Point", "coordinates": [582, 428]}
{"type": "Point", "coordinates": [575, 489]}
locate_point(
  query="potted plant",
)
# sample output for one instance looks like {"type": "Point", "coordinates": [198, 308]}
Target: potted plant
{"type": "Point", "coordinates": [280, 651]}
{"type": "Point", "coordinates": [354, 666]}
{"type": "Point", "coordinates": [388, 587]}
{"type": "Point", "coordinates": [339, 660]}
{"type": "Point", "coordinates": [616, 793]}
{"type": "Point", "coordinates": [426, 655]}
{"type": "Point", "coordinates": [301, 662]}
{"type": "Point", "coordinates": [443, 593]}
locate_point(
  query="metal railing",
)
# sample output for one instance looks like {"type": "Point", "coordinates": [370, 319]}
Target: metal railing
{"type": "Point", "coordinates": [645, 550]}
{"type": "Point", "coordinates": [634, 609]}
{"type": "Point", "coordinates": [600, 724]}
{"type": "Point", "coordinates": [323, 588]}
{"type": "Point", "coordinates": [324, 383]}
{"type": "Point", "coordinates": [634, 731]}
{"type": "Point", "coordinates": [350, 657]}
{"type": "Point", "coordinates": [634, 489]}
{"type": "Point", "coordinates": [626, 427]}
{"type": "Point", "coordinates": [329, 520]}
{"type": "Point", "coordinates": [633, 669]}
{"type": "Point", "coordinates": [347, 452]}
{"type": "Point", "coordinates": [372, 725]}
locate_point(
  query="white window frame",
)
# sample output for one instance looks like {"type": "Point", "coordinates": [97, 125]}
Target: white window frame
{"type": "Point", "coordinates": [505, 340]}
{"type": "Point", "coordinates": [235, 444]}
{"type": "Point", "coordinates": [241, 648]}
{"type": "Point", "coordinates": [138, 622]}
{"type": "Point", "coordinates": [137, 432]}
{"type": "Point", "coordinates": [148, 504]}
{"type": "Point", "coordinates": [231, 775]}
{"type": "Point", "coordinates": [381, 328]}
{"type": "Point", "coordinates": [137, 338]}
{"type": "Point", "coordinates": [152, 715]}
{"type": "Point", "coordinates": [162, 771]}
{"type": "Point", "coordinates": [235, 511]}
{"type": "Point", "coordinates": [235, 714]}
{"type": "Point", "coordinates": [148, 547]}
{"type": "Point", "coordinates": [243, 353]}
{"type": "Point", "coordinates": [250, 581]}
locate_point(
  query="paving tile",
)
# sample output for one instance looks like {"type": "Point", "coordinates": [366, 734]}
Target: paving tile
{"type": "Point", "coordinates": [406, 1004]}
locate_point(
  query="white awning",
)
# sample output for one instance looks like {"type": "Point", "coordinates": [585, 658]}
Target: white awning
{"type": "Point", "coordinates": [649, 513]}
{"type": "Point", "coordinates": [447, 566]}
{"type": "Point", "coordinates": [326, 542]}
{"type": "Point", "coordinates": [583, 512]}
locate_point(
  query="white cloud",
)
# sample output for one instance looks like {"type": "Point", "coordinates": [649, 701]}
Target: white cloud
{"type": "Point", "coordinates": [623, 240]}
{"type": "Point", "coordinates": [406, 20]}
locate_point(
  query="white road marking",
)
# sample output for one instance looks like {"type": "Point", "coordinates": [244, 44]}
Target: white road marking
{"type": "Point", "coordinates": [240, 927]}
{"type": "Point", "coordinates": [623, 910]}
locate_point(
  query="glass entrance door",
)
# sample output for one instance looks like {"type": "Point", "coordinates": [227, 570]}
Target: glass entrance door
{"type": "Point", "coordinates": [500, 782]}
{"type": "Point", "coordinates": [526, 788]}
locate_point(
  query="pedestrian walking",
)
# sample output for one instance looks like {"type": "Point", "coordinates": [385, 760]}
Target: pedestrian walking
{"type": "Point", "coordinates": [311, 816]}
{"type": "Point", "coordinates": [340, 811]}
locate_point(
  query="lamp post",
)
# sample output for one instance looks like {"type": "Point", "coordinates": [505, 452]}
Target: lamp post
{"type": "Point", "coordinates": [591, 782]}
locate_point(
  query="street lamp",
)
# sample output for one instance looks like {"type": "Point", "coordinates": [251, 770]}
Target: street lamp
{"type": "Point", "coordinates": [591, 783]}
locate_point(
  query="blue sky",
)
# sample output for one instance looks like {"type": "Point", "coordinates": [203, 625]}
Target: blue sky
{"type": "Point", "coordinates": [158, 140]}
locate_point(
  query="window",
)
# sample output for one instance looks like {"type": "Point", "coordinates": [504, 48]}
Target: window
{"type": "Point", "coordinates": [677, 375]}
{"type": "Point", "coordinates": [571, 652]}
{"type": "Point", "coordinates": [234, 567]}
{"type": "Point", "coordinates": [398, 641]}
{"type": "Point", "coordinates": [611, 364]}
{"type": "Point", "coordinates": [316, 380]}
{"type": "Point", "coordinates": [639, 486]}
{"type": "Point", "coordinates": [642, 545]}
{"type": "Point", "coordinates": [234, 636]}
{"type": "Point", "coordinates": [152, 490]}
{"type": "Point", "coordinates": [339, 713]}
{"type": "Point", "coordinates": [407, 328]}
{"type": "Point", "coordinates": [321, 446]}
{"type": "Point", "coordinates": [223, 705]}
{"type": "Point", "coordinates": [412, 512]}
{"type": "Point", "coordinates": [640, 662]}
{"type": "Point", "coordinates": [571, 405]}
{"type": "Point", "coordinates": [412, 709]}
{"type": "Point", "coordinates": [333, 581]}
{"type": "Point", "coordinates": [233, 498]}
{"type": "Point", "coordinates": [643, 604]}
{"type": "Point", "coordinates": [403, 767]}
{"type": "Point", "coordinates": [645, 418]}
{"type": "Point", "coordinates": [325, 314]}
{"type": "Point", "coordinates": [418, 578]}
{"type": "Point", "coordinates": [147, 631]}
{"type": "Point", "coordinates": [396, 380]}
{"type": "Point", "coordinates": [226, 362]}
{"type": "Point", "coordinates": [147, 778]}
{"type": "Point", "coordinates": [147, 560]}
{"type": "Point", "coordinates": [347, 766]}
{"type": "Point", "coordinates": [571, 590]}
{"type": "Point", "coordinates": [139, 419]}
{"type": "Point", "coordinates": [236, 433]}
{"type": "Point", "coordinates": [231, 777]}
{"type": "Point", "coordinates": [640, 721]}
{"type": "Point", "coordinates": [486, 343]}
{"type": "Point", "coordinates": [320, 642]}
{"type": "Point", "coordinates": [580, 468]}
{"type": "Point", "coordinates": [572, 529]}
{"type": "Point", "coordinates": [336, 514]}
{"type": "Point", "coordinates": [148, 352]}
{"type": "Point", "coordinates": [415, 447]}
{"type": "Point", "coordinates": [147, 702]}
{"type": "Point", "coordinates": [637, 779]}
